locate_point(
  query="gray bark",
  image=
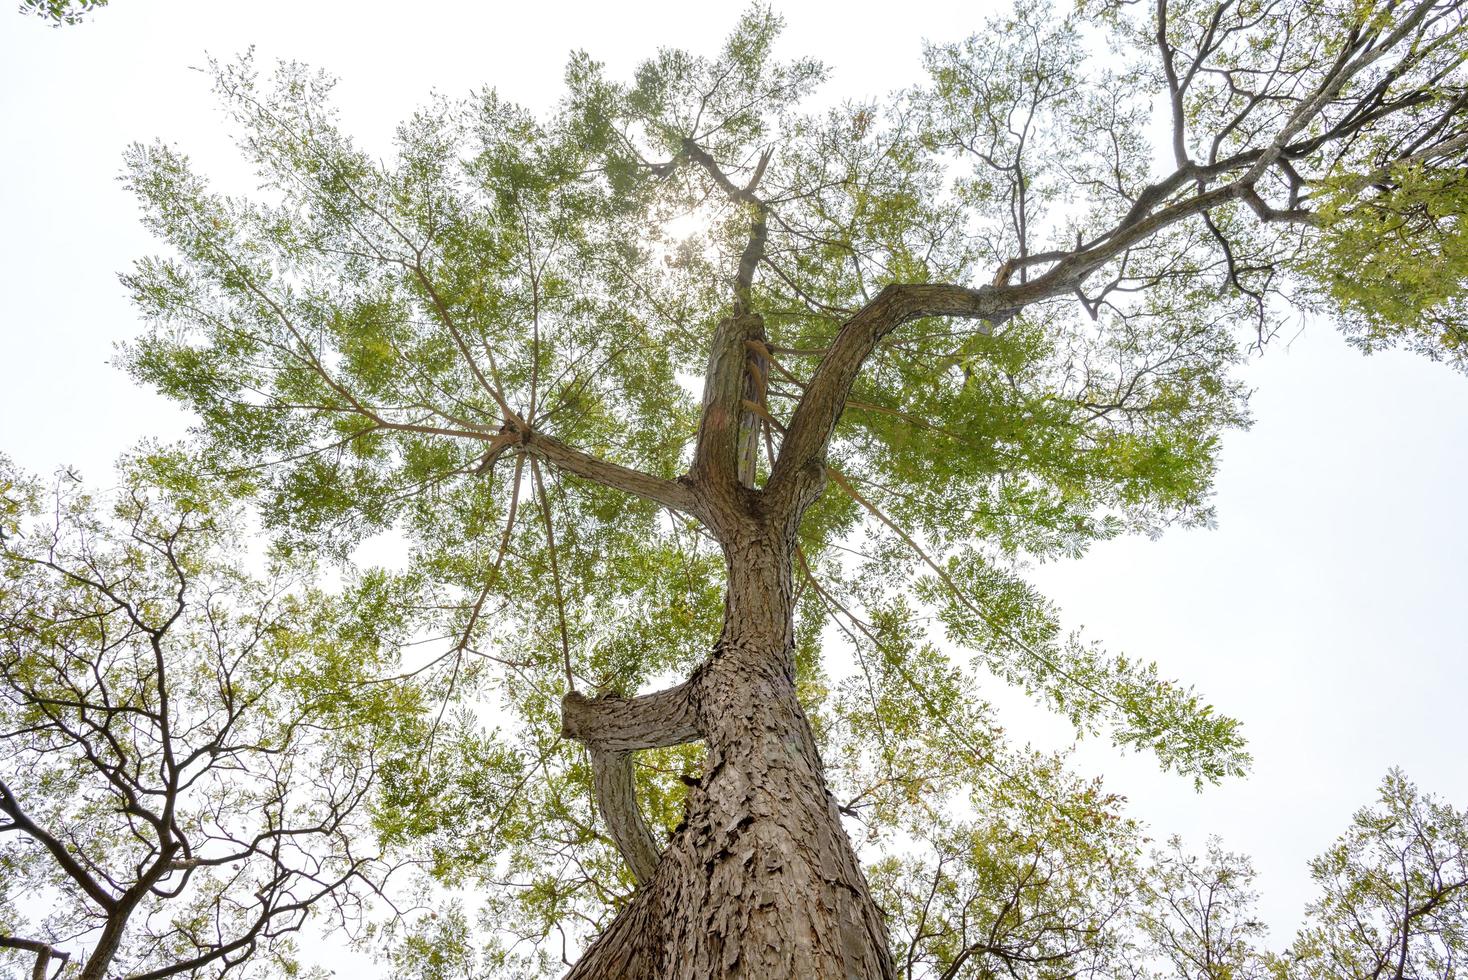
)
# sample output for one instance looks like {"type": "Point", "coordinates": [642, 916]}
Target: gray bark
{"type": "Point", "coordinates": [759, 881]}
{"type": "Point", "coordinates": [613, 728]}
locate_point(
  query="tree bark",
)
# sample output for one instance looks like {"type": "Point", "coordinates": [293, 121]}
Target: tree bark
{"type": "Point", "coordinates": [613, 728]}
{"type": "Point", "coordinates": [760, 880]}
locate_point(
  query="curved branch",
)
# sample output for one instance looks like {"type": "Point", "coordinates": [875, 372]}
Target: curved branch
{"type": "Point", "coordinates": [616, 799]}
{"type": "Point", "coordinates": [10, 806]}
{"type": "Point", "coordinates": [797, 474]}
{"type": "Point", "coordinates": [613, 728]}
{"type": "Point", "coordinates": [794, 476]}
{"type": "Point", "coordinates": [44, 954]}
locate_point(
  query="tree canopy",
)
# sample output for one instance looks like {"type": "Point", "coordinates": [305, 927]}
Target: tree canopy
{"type": "Point", "coordinates": [60, 12]}
{"type": "Point", "coordinates": [986, 322]}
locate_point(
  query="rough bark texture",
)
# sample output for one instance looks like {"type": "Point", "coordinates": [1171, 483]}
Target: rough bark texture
{"type": "Point", "coordinates": [97, 964]}
{"type": "Point", "coordinates": [760, 880]}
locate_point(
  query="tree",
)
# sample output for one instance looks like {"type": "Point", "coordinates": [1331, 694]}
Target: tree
{"type": "Point", "coordinates": [1198, 915]}
{"type": "Point", "coordinates": [934, 338]}
{"type": "Point", "coordinates": [182, 781]}
{"type": "Point", "coordinates": [1013, 891]}
{"type": "Point", "coordinates": [1394, 893]}
{"type": "Point", "coordinates": [1392, 903]}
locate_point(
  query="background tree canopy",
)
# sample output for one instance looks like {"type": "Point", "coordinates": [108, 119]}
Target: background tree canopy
{"type": "Point", "coordinates": [485, 346]}
{"type": "Point", "coordinates": [191, 752]}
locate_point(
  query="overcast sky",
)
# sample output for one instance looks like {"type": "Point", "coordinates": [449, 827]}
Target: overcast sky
{"type": "Point", "coordinates": [1327, 609]}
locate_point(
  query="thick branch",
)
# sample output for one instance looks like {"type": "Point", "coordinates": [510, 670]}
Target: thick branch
{"type": "Point", "coordinates": [613, 728]}
{"type": "Point", "coordinates": [744, 195]}
{"type": "Point", "coordinates": [797, 472]}
{"type": "Point", "coordinates": [726, 386]}
{"type": "Point", "coordinates": [669, 493]}
{"type": "Point", "coordinates": [649, 721]}
{"type": "Point", "coordinates": [825, 397]}
{"type": "Point", "coordinates": [728, 435]}
{"type": "Point", "coordinates": [616, 799]}
{"type": "Point", "coordinates": [44, 954]}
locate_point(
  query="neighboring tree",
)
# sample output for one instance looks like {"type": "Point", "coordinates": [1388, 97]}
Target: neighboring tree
{"type": "Point", "coordinates": [1394, 894]}
{"type": "Point", "coordinates": [1393, 904]}
{"type": "Point", "coordinates": [187, 758]}
{"type": "Point", "coordinates": [1197, 915]}
{"type": "Point", "coordinates": [60, 12]}
{"type": "Point", "coordinates": [935, 339]}
{"type": "Point", "coordinates": [1015, 891]}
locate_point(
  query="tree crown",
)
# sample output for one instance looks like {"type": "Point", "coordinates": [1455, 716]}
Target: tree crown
{"type": "Point", "coordinates": [936, 337]}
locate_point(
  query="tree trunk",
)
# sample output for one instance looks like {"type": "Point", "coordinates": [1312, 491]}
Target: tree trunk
{"type": "Point", "coordinates": [760, 880]}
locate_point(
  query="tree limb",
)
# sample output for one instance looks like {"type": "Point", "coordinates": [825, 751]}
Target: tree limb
{"type": "Point", "coordinates": [73, 868]}
{"type": "Point", "coordinates": [825, 396]}
{"type": "Point", "coordinates": [672, 494]}
{"type": "Point", "coordinates": [648, 721]}
{"type": "Point", "coordinates": [44, 954]}
{"type": "Point", "coordinates": [616, 799]}
{"type": "Point", "coordinates": [613, 728]}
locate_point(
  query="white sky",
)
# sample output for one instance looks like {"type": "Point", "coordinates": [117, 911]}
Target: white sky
{"type": "Point", "coordinates": [1326, 611]}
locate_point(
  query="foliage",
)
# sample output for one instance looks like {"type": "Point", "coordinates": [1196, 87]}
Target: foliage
{"type": "Point", "coordinates": [1039, 883]}
{"type": "Point", "coordinates": [1393, 893]}
{"type": "Point", "coordinates": [1197, 916]}
{"type": "Point", "coordinates": [1394, 260]}
{"type": "Point", "coordinates": [60, 12]}
{"type": "Point", "coordinates": [1023, 890]}
{"type": "Point", "coordinates": [190, 755]}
